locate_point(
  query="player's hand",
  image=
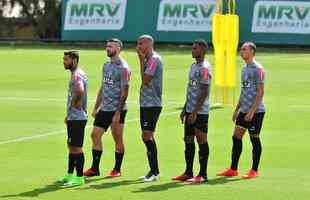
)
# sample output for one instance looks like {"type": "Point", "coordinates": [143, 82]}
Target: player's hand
{"type": "Point", "coordinates": [140, 54]}
{"type": "Point", "coordinates": [66, 120]}
{"type": "Point", "coordinates": [182, 117]}
{"type": "Point", "coordinates": [116, 117]}
{"type": "Point", "coordinates": [93, 114]}
{"type": "Point", "coordinates": [192, 118]}
{"type": "Point", "coordinates": [235, 115]}
{"type": "Point", "coordinates": [249, 116]}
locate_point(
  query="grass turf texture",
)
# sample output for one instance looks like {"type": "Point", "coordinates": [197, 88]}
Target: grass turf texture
{"type": "Point", "coordinates": [33, 87]}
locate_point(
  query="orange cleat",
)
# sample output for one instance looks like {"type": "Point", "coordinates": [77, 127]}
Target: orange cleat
{"type": "Point", "coordinates": [91, 172]}
{"type": "Point", "coordinates": [228, 173]}
{"type": "Point", "coordinates": [251, 174]}
{"type": "Point", "coordinates": [197, 180]}
{"type": "Point", "coordinates": [183, 177]}
{"type": "Point", "coordinates": [114, 173]}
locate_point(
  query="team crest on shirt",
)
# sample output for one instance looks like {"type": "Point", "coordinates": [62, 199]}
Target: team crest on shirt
{"type": "Point", "coordinates": [193, 82]}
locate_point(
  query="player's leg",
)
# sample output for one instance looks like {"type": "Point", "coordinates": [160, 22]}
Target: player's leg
{"type": "Point", "coordinates": [201, 133]}
{"type": "Point", "coordinates": [239, 131]}
{"type": "Point", "coordinates": [101, 124]}
{"type": "Point", "coordinates": [189, 153]}
{"type": "Point", "coordinates": [254, 131]}
{"type": "Point", "coordinates": [76, 150]}
{"type": "Point", "coordinates": [148, 120]}
{"type": "Point", "coordinates": [117, 133]}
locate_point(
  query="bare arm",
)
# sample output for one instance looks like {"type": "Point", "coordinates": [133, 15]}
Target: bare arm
{"type": "Point", "coordinates": [124, 95]}
{"type": "Point", "coordinates": [79, 92]}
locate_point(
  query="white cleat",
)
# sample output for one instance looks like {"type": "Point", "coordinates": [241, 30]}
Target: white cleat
{"type": "Point", "coordinates": [151, 177]}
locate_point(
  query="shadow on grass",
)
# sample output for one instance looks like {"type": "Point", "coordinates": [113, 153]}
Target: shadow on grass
{"type": "Point", "coordinates": [171, 185]}
{"type": "Point", "coordinates": [113, 184]}
{"type": "Point", "coordinates": [38, 191]}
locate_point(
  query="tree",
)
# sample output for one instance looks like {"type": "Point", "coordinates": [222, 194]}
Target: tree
{"type": "Point", "coordinates": [44, 16]}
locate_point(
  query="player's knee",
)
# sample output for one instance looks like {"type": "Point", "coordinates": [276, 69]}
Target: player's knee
{"type": "Point", "coordinates": [146, 135]}
{"type": "Point", "coordinates": [75, 150]}
{"type": "Point", "coordinates": [189, 139]}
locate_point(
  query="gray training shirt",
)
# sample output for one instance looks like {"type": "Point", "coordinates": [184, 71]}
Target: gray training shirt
{"type": "Point", "coordinates": [200, 73]}
{"type": "Point", "coordinates": [116, 75]}
{"type": "Point", "coordinates": [252, 76]}
{"type": "Point", "coordinates": [78, 77]}
{"type": "Point", "coordinates": [151, 94]}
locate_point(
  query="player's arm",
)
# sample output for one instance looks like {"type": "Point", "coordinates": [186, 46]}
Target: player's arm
{"type": "Point", "coordinates": [236, 110]}
{"type": "Point", "coordinates": [148, 73]}
{"type": "Point", "coordinates": [260, 78]}
{"type": "Point", "coordinates": [182, 115]}
{"type": "Point", "coordinates": [203, 93]}
{"type": "Point", "coordinates": [98, 102]}
{"type": "Point", "coordinates": [125, 77]}
{"type": "Point", "coordinates": [79, 92]}
{"type": "Point", "coordinates": [258, 100]}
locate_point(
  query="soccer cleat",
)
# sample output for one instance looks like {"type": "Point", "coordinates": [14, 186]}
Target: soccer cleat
{"type": "Point", "coordinates": [150, 177]}
{"type": "Point", "coordinates": [228, 173]}
{"type": "Point", "coordinates": [91, 172]}
{"type": "Point", "coordinates": [143, 177]}
{"type": "Point", "coordinates": [114, 173]}
{"type": "Point", "coordinates": [251, 174]}
{"type": "Point", "coordinates": [67, 178]}
{"type": "Point", "coordinates": [76, 181]}
{"type": "Point", "coordinates": [197, 179]}
{"type": "Point", "coordinates": [183, 177]}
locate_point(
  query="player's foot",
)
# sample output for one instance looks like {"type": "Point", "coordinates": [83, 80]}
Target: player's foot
{"type": "Point", "coordinates": [91, 172]}
{"type": "Point", "coordinates": [228, 173]}
{"type": "Point", "coordinates": [183, 177]}
{"type": "Point", "coordinates": [197, 179]}
{"type": "Point", "coordinates": [250, 174]}
{"type": "Point", "coordinates": [150, 177]}
{"type": "Point", "coordinates": [76, 181]}
{"type": "Point", "coordinates": [66, 178]}
{"type": "Point", "coordinates": [114, 173]}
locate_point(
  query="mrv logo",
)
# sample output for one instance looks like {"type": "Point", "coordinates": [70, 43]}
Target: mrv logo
{"type": "Point", "coordinates": [185, 15]}
{"type": "Point", "coordinates": [282, 17]}
{"type": "Point", "coordinates": [95, 14]}
{"type": "Point", "coordinates": [89, 10]}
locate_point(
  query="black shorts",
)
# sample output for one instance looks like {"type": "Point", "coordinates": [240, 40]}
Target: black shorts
{"type": "Point", "coordinates": [103, 119]}
{"type": "Point", "coordinates": [201, 124]}
{"type": "Point", "coordinates": [254, 126]}
{"type": "Point", "coordinates": [75, 132]}
{"type": "Point", "coordinates": [149, 117]}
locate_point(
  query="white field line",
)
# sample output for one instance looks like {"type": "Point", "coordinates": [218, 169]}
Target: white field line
{"type": "Point", "coordinates": [57, 132]}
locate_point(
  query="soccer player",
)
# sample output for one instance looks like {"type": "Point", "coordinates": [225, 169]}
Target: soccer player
{"type": "Point", "coordinates": [151, 71]}
{"type": "Point", "coordinates": [76, 118]}
{"type": "Point", "coordinates": [110, 108]}
{"type": "Point", "coordinates": [249, 112]}
{"type": "Point", "coordinates": [195, 114]}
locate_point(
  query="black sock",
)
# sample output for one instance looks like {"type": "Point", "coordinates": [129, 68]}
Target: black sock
{"type": "Point", "coordinates": [203, 158]}
{"type": "Point", "coordinates": [256, 152]}
{"type": "Point", "coordinates": [71, 163]}
{"type": "Point", "coordinates": [96, 159]}
{"type": "Point", "coordinates": [189, 158]}
{"type": "Point", "coordinates": [152, 156]}
{"type": "Point", "coordinates": [79, 160]}
{"type": "Point", "coordinates": [118, 161]}
{"type": "Point", "coordinates": [236, 152]}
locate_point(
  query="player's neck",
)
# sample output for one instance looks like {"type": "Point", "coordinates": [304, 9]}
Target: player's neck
{"type": "Point", "coordinates": [115, 58]}
{"type": "Point", "coordinates": [73, 69]}
{"type": "Point", "coordinates": [250, 61]}
{"type": "Point", "coordinates": [149, 54]}
{"type": "Point", "coordinates": [200, 60]}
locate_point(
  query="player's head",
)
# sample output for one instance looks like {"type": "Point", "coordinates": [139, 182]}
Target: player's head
{"type": "Point", "coordinates": [71, 59]}
{"type": "Point", "coordinates": [113, 47]}
{"type": "Point", "coordinates": [199, 48]}
{"type": "Point", "coordinates": [248, 50]}
{"type": "Point", "coordinates": [145, 44]}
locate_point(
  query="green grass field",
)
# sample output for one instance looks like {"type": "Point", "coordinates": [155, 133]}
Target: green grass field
{"type": "Point", "coordinates": [33, 152]}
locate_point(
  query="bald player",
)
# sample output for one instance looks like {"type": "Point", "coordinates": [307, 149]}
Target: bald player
{"type": "Point", "coordinates": [110, 108]}
{"type": "Point", "coordinates": [151, 71]}
{"type": "Point", "coordinates": [249, 112]}
{"type": "Point", "coordinates": [195, 114]}
{"type": "Point", "coordinates": [76, 118]}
